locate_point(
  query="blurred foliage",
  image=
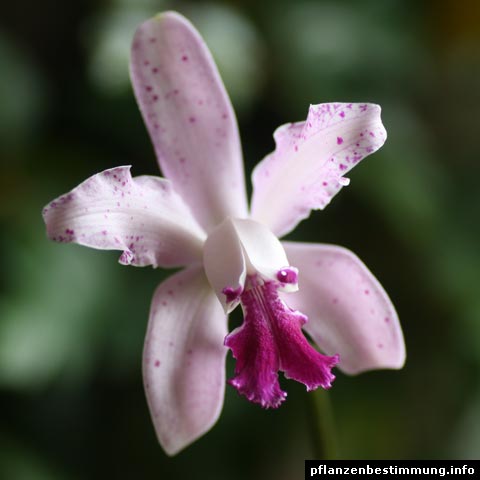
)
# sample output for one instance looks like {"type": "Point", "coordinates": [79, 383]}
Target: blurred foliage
{"type": "Point", "coordinates": [72, 320]}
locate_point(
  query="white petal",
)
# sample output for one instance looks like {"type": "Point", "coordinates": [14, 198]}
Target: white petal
{"type": "Point", "coordinates": [349, 312]}
{"type": "Point", "coordinates": [184, 359]}
{"type": "Point", "coordinates": [240, 247]}
{"type": "Point", "coordinates": [264, 253]}
{"type": "Point", "coordinates": [224, 263]}
{"type": "Point", "coordinates": [143, 216]}
{"type": "Point", "coordinates": [189, 117]}
{"type": "Point", "coordinates": [307, 168]}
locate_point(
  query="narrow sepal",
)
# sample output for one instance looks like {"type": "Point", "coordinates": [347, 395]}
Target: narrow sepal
{"type": "Point", "coordinates": [184, 359]}
{"type": "Point", "coordinates": [189, 117]}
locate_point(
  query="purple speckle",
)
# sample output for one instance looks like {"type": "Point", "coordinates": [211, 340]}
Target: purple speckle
{"type": "Point", "coordinates": [324, 184]}
{"type": "Point", "coordinates": [192, 119]}
{"type": "Point", "coordinates": [155, 98]}
{"type": "Point", "coordinates": [367, 292]}
{"type": "Point", "coordinates": [380, 345]}
{"type": "Point", "coordinates": [154, 70]}
{"type": "Point", "coordinates": [153, 40]}
{"type": "Point", "coordinates": [339, 140]}
{"type": "Point", "coordinates": [157, 363]}
{"type": "Point", "coordinates": [342, 166]}
{"type": "Point", "coordinates": [387, 320]}
{"type": "Point", "coordinates": [335, 300]}
{"type": "Point", "coordinates": [184, 58]}
{"type": "Point", "coordinates": [342, 114]}
{"type": "Point", "coordinates": [126, 258]}
{"type": "Point", "coordinates": [148, 88]}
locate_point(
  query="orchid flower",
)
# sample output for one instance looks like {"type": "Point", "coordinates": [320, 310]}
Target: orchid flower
{"type": "Point", "coordinates": [197, 217]}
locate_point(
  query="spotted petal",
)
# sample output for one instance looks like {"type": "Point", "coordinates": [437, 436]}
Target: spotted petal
{"type": "Point", "coordinates": [184, 359]}
{"type": "Point", "coordinates": [349, 311]}
{"type": "Point", "coordinates": [142, 216]}
{"type": "Point", "coordinates": [189, 117]}
{"type": "Point", "coordinates": [307, 168]}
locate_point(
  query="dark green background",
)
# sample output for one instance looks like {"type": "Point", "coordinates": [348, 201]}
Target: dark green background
{"type": "Point", "coordinates": [72, 320]}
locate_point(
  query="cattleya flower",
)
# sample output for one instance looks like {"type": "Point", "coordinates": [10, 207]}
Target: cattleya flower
{"type": "Point", "coordinates": [197, 217]}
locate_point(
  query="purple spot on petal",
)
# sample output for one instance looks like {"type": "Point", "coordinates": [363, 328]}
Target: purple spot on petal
{"type": "Point", "coordinates": [367, 292]}
{"type": "Point", "coordinates": [184, 58]}
{"type": "Point", "coordinates": [157, 363]}
{"type": "Point", "coordinates": [339, 140]}
{"type": "Point", "coordinates": [192, 119]}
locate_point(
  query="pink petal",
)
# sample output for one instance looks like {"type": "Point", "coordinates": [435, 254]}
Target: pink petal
{"type": "Point", "coordinates": [270, 339]}
{"type": "Point", "coordinates": [189, 117]}
{"type": "Point", "coordinates": [306, 169]}
{"type": "Point", "coordinates": [349, 311]}
{"type": "Point", "coordinates": [184, 359]}
{"type": "Point", "coordinates": [143, 216]}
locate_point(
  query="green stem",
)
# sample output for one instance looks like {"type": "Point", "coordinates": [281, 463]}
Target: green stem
{"type": "Point", "coordinates": [321, 425]}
